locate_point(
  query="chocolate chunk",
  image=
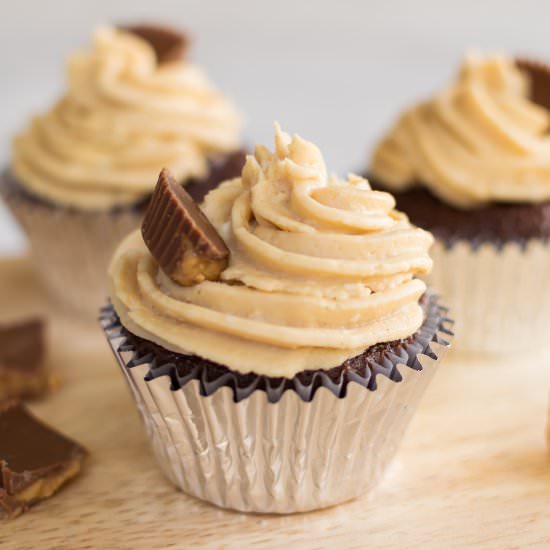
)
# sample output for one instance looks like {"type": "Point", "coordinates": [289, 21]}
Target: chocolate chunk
{"type": "Point", "coordinates": [180, 237]}
{"type": "Point", "coordinates": [169, 44]}
{"type": "Point", "coordinates": [23, 372]}
{"type": "Point", "coordinates": [35, 460]}
{"type": "Point", "coordinates": [22, 344]}
{"type": "Point", "coordinates": [539, 74]}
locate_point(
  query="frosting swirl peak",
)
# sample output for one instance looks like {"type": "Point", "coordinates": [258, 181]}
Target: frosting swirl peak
{"type": "Point", "coordinates": [320, 269]}
{"type": "Point", "coordinates": [123, 117]}
{"type": "Point", "coordinates": [482, 139]}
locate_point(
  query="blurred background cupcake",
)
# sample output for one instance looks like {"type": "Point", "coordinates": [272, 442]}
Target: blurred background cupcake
{"type": "Point", "coordinates": [285, 381]}
{"type": "Point", "coordinates": [472, 165]}
{"type": "Point", "coordinates": [81, 174]}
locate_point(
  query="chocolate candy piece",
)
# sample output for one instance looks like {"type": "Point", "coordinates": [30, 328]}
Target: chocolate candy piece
{"type": "Point", "coordinates": [169, 44]}
{"type": "Point", "coordinates": [180, 237]}
{"type": "Point", "coordinates": [22, 368]}
{"type": "Point", "coordinates": [35, 460]}
{"type": "Point", "coordinates": [539, 73]}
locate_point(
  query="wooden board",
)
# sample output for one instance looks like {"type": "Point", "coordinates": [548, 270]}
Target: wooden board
{"type": "Point", "coordinates": [474, 470]}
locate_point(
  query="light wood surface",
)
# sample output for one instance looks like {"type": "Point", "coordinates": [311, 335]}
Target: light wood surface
{"type": "Point", "coordinates": [474, 470]}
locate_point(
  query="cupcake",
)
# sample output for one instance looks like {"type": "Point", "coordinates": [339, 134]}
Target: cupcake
{"type": "Point", "coordinates": [81, 174]}
{"type": "Point", "coordinates": [277, 340]}
{"type": "Point", "coordinates": [472, 165]}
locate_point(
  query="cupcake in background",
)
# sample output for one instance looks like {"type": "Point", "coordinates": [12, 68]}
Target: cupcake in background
{"type": "Point", "coordinates": [82, 173]}
{"type": "Point", "coordinates": [278, 341]}
{"type": "Point", "coordinates": [472, 165]}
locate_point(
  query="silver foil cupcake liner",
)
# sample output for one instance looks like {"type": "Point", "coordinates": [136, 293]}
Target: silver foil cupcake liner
{"type": "Point", "coordinates": [265, 450]}
{"type": "Point", "coordinates": [498, 292]}
{"type": "Point", "coordinates": [71, 249]}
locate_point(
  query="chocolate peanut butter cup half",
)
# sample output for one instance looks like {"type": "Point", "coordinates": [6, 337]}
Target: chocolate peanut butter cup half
{"type": "Point", "coordinates": [539, 76]}
{"type": "Point", "coordinates": [23, 370]}
{"type": "Point", "coordinates": [180, 237]}
{"type": "Point", "coordinates": [35, 460]}
{"type": "Point", "coordinates": [169, 44]}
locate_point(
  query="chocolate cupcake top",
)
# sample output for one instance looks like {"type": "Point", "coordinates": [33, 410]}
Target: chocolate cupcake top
{"type": "Point", "coordinates": [319, 269]}
{"type": "Point", "coordinates": [132, 106]}
{"type": "Point", "coordinates": [482, 139]}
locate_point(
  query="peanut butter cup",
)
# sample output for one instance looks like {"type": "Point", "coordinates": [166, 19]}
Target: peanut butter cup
{"type": "Point", "coordinates": [169, 44]}
{"type": "Point", "coordinates": [539, 75]}
{"type": "Point", "coordinates": [35, 460]}
{"type": "Point", "coordinates": [180, 237]}
{"type": "Point", "coordinates": [23, 372]}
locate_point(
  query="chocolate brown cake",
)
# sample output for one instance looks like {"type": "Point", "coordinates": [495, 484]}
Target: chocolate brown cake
{"type": "Point", "coordinates": [221, 169]}
{"type": "Point", "coordinates": [384, 359]}
{"type": "Point", "coordinates": [497, 222]}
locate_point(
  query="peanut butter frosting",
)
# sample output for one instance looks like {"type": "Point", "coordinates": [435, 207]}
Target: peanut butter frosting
{"type": "Point", "coordinates": [123, 117]}
{"type": "Point", "coordinates": [480, 140]}
{"type": "Point", "coordinates": [320, 269]}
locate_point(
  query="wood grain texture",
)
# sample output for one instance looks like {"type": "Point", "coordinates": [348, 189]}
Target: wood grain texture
{"type": "Point", "coordinates": [474, 470]}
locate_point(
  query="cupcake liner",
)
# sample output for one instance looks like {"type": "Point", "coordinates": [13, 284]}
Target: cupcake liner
{"type": "Point", "coordinates": [388, 358]}
{"type": "Point", "coordinates": [498, 293]}
{"type": "Point", "coordinates": [70, 249]}
{"type": "Point", "coordinates": [309, 449]}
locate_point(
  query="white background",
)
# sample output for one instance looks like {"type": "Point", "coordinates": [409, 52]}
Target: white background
{"type": "Point", "coordinates": [336, 72]}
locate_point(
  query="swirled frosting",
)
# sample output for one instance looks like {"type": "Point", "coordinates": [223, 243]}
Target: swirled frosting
{"type": "Point", "coordinates": [479, 140]}
{"type": "Point", "coordinates": [123, 118]}
{"type": "Point", "coordinates": [320, 269]}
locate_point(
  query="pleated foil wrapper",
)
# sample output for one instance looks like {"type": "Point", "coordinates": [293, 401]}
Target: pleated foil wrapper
{"type": "Point", "coordinates": [304, 448]}
{"type": "Point", "coordinates": [499, 293]}
{"type": "Point", "coordinates": [70, 249]}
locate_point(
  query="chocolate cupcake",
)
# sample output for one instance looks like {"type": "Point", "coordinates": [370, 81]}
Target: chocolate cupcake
{"type": "Point", "coordinates": [472, 165]}
{"type": "Point", "coordinates": [282, 378]}
{"type": "Point", "coordinates": [81, 174]}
